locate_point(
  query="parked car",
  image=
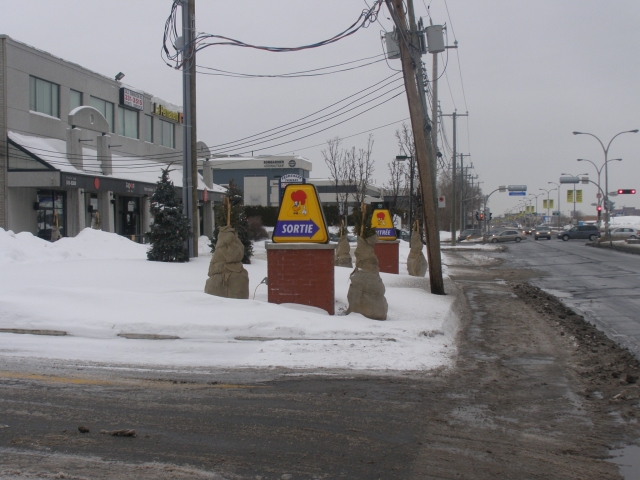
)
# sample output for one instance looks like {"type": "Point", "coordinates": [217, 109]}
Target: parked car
{"type": "Point", "coordinates": [542, 232]}
{"type": "Point", "coordinates": [475, 232]}
{"type": "Point", "coordinates": [507, 236]}
{"type": "Point", "coordinates": [590, 232]}
{"type": "Point", "coordinates": [624, 233]}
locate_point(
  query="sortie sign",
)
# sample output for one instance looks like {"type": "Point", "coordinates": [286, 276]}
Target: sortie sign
{"type": "Point", "coordinates": [300, 219]}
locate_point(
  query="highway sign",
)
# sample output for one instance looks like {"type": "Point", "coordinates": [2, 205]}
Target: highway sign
{"type": "Point", "coordinates": [515, 194]}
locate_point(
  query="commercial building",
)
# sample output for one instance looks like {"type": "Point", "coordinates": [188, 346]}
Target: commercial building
{"type": "Point", "coordinates": [80, 149]}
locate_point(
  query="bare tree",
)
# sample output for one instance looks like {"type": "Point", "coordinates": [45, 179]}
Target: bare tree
{"type": "Point", "coordinates": [406, 147]}
{"type": "Point", "coordinates": [364, 168]}
{"type": "Point", "coordinates": [334, 159]}
{"type": "Point", "coordinates": [396, 187]}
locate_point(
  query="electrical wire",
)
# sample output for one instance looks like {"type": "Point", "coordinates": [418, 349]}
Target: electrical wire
{"type": "Point", "coordinates": [304, 73]}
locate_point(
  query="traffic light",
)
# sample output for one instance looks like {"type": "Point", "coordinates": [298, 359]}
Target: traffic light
{"type": "Point", "coordinates": [477, 216]}
{"type": "Point", "coordinates": [482, 216]}
{"type": "Point", "coordinates": [626, 191]}
{"type": "Point", "coordinates": [490, 215]}
{"type": "Point", "coordinates": [599, 208]}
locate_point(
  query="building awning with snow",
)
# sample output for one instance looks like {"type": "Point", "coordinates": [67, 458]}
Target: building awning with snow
{"type": "Point", "coordinates": [43, 162]}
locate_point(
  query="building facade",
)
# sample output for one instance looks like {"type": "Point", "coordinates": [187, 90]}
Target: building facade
{"type": "Point", "coordinates": [79, 149]}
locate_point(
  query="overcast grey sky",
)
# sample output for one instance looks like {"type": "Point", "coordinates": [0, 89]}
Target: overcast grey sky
{"type": "Point", "coordinates": [533, 72]}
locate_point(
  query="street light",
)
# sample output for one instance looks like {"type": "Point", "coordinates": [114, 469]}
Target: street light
{"type": "Point", "coordinates": [558, 188]}
{"type": "Point", "coordinates": [606, 170]}
{"type": "Point", "coordinates": [536, 195]}
{"type": "Point", "coordinates": [574, 192]}
{"type": "Point", "coordinates": [599, 170]}
{"type": "Point", "coordinates": [548, 202]}
{"type": "Point", "coordinates": [401, 158]}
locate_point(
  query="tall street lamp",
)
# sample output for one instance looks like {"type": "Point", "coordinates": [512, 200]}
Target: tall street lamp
{"type": "Point", "coordinates": [557, 188]}
{"type": "Point", "coordinates": [402, 158]}
{"type": "Point", "coordinates": [548, 202]}
{"type": "Point", "coordinates": [599, 170]}
{"type": "Point", "coordinates": [574, 192]}
{"type": "Point", "coordinates": [536, 195]}
{"type": "Point", "coordinates": [606, 171]}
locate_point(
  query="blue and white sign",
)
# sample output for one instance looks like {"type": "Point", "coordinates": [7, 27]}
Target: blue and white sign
{"type": "Point", "coordinates": [514, 194]}
{"type": "Point", "coordinates": [295, 228]}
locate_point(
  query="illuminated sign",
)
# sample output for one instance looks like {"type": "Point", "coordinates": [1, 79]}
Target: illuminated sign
{"type": "Point", "coordinates": [131, 99]}
{"type": "Point", "coordinates": [300, 219]}
{"type": "Point", "coordinates": [381, 222]}
{"type": "Point", "coordinates": [163, 111]}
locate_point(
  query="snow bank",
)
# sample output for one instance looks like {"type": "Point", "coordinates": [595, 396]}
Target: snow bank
{"type": "Point", "coordinates": [98, 285]}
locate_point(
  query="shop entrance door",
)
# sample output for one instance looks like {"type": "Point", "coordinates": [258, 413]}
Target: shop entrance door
{"type": "Point", "coordinates": [50, 201]}
{"type": "Point", "coordinates": [130, 218]}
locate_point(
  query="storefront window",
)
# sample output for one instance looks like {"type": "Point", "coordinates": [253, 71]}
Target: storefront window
{"type": "Point", "coordinates": [127, 122]}
{"type": "Point", "coordinates": [51, 205]}
{"type": "Point", "coordinates": [75, 99]}
{"type": "Point", "coordinates": [148, 128]}
{"type": "Point", "coordinates": [167, 134]}
{"type": "Point", "coordinates": [43, 96]}
{"type": "Point", "coordinates": [105, 108]}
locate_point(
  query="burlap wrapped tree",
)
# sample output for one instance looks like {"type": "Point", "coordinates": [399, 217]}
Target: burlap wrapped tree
{"type": "Point", "coordinates": [416, 262]}
{"type": "Point", "coordinates": [366, 292]}
{"type": "Point", "coordinates": [227, 277]}
{"type": "Point", "coordinates": [343, 252]}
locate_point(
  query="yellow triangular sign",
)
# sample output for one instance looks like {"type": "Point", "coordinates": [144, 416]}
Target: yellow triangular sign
{"type": "Point", "coordinates": [381, 222]}
{"type": "Point", "coordinates": [300, 219]}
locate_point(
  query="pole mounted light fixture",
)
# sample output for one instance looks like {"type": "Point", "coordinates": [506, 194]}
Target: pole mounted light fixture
{"type": "Point", "coordinates": [119, 76]}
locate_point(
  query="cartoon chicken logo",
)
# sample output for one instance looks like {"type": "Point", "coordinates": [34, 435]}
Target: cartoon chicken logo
{"type": "Point", "coordinates": [381, 221]}
{"type": "Point", "coordinates": [299, 200]}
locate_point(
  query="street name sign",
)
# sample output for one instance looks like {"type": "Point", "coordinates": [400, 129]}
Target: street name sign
{"type": "Point", "coordinates": [515, 194]}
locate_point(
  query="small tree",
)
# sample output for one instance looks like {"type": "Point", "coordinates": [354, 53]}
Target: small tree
{"type": "Point", "coordinates": [238, 221]}
{"type": "Point", "coordinates": [170, 229]}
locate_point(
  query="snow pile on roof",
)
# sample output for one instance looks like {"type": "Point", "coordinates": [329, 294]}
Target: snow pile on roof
{"type": "Point", "coordinates": [54, 152]}
{"type": "Point", "coordinates": [105, 287]}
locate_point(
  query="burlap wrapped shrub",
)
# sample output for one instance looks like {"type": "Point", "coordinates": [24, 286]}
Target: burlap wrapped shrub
{"type": "Point", "coordinates": [366, 292]}
{"type": "Point", "coordinates": [227, 277]}
{"type": "Point", "coordinates": [416, 262]}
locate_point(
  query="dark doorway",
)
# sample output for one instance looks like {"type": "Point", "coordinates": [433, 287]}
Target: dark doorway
{"type": "Point", "coordinates": [129, 210]}
{"type": "Point", "coordinates": [50, 201]}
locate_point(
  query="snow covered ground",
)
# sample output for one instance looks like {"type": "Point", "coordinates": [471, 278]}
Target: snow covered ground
{"type": "Point", "coordinates": [98, 285]}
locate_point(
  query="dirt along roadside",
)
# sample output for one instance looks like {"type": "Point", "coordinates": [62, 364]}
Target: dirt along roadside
{"type": "Point", "coordinates": [536, 393]}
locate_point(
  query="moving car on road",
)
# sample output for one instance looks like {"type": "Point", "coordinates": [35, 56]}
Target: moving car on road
{"type": "Point", "coordinates": [507, 236]}
{"type": "Point", "coordinates": [542, 232]}
{"type": "Point", "coordinates": [624, 233]}
{"type": "Point", "coordinates": [469, 233]}
{"type": "Point", "coordinates": [590, 232]}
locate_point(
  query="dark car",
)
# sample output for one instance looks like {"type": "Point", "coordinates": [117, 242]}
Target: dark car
{"type": "Point", "coordinates": [475, 232]}
{"type": "Point", "coordinates": [585, 232]}
{"type": "Point", "coordinates": [542, 232]}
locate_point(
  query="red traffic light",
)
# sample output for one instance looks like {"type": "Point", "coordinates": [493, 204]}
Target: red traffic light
{"type": "Point", "coordinates": [622, 191]}
{"type": "Point", "coordinates": [599, 208]}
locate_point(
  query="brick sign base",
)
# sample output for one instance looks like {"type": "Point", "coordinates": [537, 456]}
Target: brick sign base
{"type": "Point", "coordinates": [302, 273]}
{"type": "Point", "coordinates": [388, 254]}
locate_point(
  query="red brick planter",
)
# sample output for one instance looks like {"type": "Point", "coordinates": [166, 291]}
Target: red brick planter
{"type": "Point", "coordinates": [302, 273]}
{"type": "Point", "coordinates": [388, 254]}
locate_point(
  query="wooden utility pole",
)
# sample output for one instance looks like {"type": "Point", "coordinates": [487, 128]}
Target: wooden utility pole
{"type": "Point", "coordinates": [195, 225]}
{"type": "Point", "coordinates": [425, 152]}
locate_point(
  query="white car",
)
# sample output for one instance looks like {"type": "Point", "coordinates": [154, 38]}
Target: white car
{"type": "Point", "coordinates": [624, 233]}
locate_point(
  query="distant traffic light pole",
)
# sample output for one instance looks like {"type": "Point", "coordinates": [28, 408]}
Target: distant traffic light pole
{"type": "Point", "coordinates": [606, 172]}
{"type": "Point", "coordinates": [599, 170]}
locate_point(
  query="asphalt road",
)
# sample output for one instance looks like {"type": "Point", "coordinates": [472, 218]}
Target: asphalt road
{"type": "Point", "coordinates": [602, 284]}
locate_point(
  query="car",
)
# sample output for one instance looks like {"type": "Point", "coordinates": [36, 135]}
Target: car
{"type": "Point", "coordinates": [624, 233]}
{"type": "Point", "coordinates": [542, 232]}
{"type": "Point", "coordinates": [529, 231]}
{"type": "Point", "coordinates": [474, 232]}
{"type": "Point", "coordinates": [590, 232]}
{"type": "Point", "coordinates": [507, 236]}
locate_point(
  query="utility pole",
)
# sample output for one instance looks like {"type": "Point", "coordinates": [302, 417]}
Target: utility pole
{"type": "Point", "coordinates": [424, 147]}
{"type": "Point", "coordinates": [455, 116]}
{"type": "Point", "coordinates": [463, 188]}
{"type": "Point", "coordinates": [187, 157]}
{"type": "Point", "coordinates": [195, 223]}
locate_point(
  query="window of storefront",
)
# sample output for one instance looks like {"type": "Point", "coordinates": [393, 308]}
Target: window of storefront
{"type": "Point", "coordinates": [148, 128]}
{"type": "Point", "coordinates": [44, 96]}
{"type": "Point", "coordinates": [127, 122]}
{"type": "Point", "coordinates": [167, 133]}
{"type": "Point", "coordinates": [75, 99]}
{"type": "Point", "coordinates": [105, 108]}
{"type": "Point", "coordinates": [48, 203]}
{"type": "Point", "coordinates": [129, 209]}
